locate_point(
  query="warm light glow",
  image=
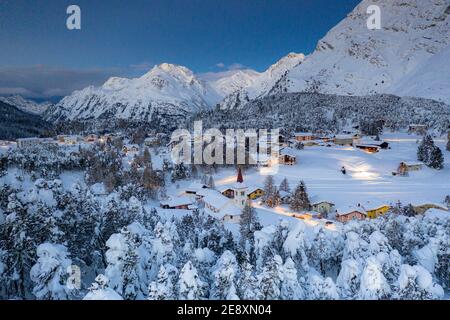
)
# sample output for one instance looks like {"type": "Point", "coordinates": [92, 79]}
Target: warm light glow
{"type": "Point", "coordinates": [362, 172]}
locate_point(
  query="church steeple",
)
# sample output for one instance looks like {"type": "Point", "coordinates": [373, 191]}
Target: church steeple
{"type": "Point", "coordinates": [240, 179]}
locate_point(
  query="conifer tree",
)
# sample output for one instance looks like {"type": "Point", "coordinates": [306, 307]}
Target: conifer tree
{"type": "Point", "coordinates": [162, 288]}
{"type": "Point", "coordinates": [50, 272]}
{"type": "Point", "coordinates": [190, 286]}
{"type": "Point", "coordinates": [248, 224]}
{"type": "Point", "coordinates": [284, 186]}
{"type": "Point", "coordinates": [300, 200]}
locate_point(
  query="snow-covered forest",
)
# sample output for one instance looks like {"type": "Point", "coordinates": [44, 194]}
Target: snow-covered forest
{"type": "Point", "coordinates": [331, 113]}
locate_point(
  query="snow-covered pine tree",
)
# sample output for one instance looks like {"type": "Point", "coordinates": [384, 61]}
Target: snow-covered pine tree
{"type": "Point", "coordinates": [436, 159]}
{"type": "Point", "coordinates": [211, 183]}
{"type": "Point", "coordinates": [163, 246]}
{"type": "Point", "coordinates": [147, 158]}
{"type": "Point", "coordinates": [416, 283]}
{"type": "Point", "coordinates": [19, 242]}
{"type": "Point", "coordinates": [284, 186]}
{"type": "Point", "coordinates": [270, 279]}
{"type": "Point", "coordinates": [300, 200]}
{"type": "Point", "coordinates": [374, 285]}
{"type": "Point", "coordinates": [224, 274]}
{"type": "Point", "coordinates": [271, 197]}
{"type": "Point", "coordinates": [180, 172]}
{"type": "Point", "coordinates": [163, 287]}
{"type": "Point", "coordinates": [321, 289]}
{"type": "Point", "coordinates": [290, 287]}
{"type": "Point", "coordinates": [408, 211]}
{"type": "Point", "coordinates": [424, 148]}
{"type": "Point", "coordinates": [325, 251]}
{"type": "Point", "coordinates": [248, 284]}
{"type": "Point", "coordinates": [269, 187]}
{"type": "Point", "coordinates": [100, 290]}
{"type": "Point", "coordinates": [430, 154]}
{"type": "Point", "coordinates": [49, 273]}
{"type": "Point", "coordinates": [127, 269]}
{"type": "Point", "coordinates": [348, 280]}
{"type": "Point", "coordinates": [190, 286]}
{"type": "Point", "coordinates": [248, 224]}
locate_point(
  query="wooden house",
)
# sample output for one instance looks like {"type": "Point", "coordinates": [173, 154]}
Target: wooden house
{"type": "Point", "coordinates": [303, 136]}
{"type": "Point", "coordinates": [343, 140]}
{"type": "Point", "coordinates": [348, 214]}
{"type": "Point", "coordinates": [405, 167]}
{"type": "Point", "coordinates": [287, 156]}
{"type": "Point", "coordinates": [177, 203]}
{"type": "Point", "coordinates": [374, 210]}
{"type": "Point", "coordinates": [195, 187]}
{"type": "Point", "coordinates": [417, 128]}
{"type": "Point", "coordinates": [368, 148]}
{"type": "Point", "coordinates": [255, 193]}
{"type": "Point", "coordinates": [90, 138]}
{"type": "Point", "coordinates": [323, 207]}
{"type": "Point", "coordinates": [128, 148]}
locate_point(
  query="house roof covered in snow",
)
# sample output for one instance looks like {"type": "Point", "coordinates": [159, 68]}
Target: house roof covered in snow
{"type": "Point", "coordinates": [178, 201]}
{"type": "Point", "coordinates": [216, 200]}
{"type": "Point", "coordinates": [288, 152]}
{"type": "Point", "coordinates": [196, 186]}
{"type": "Point", "coordinates": [303, 134]}
{"type": "Point", "coordinates": [344, 136]}
{"type": "Point", "coordinates": [229, 209]}
{"type": "Point", "coordinates": [342, 211]}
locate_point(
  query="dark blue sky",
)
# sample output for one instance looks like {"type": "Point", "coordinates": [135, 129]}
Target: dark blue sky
{"type": "Point", "coordinates": [128, 37]}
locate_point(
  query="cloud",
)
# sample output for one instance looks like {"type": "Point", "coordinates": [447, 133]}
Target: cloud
{"type": "Point", "coordinates": [233, 66]}
{"type": "Point", "coordinates": [236, 66]}
{"type": "Point", "coordinates": [143, 66]}
{"type": "Point", "coordinates": [41, 81]}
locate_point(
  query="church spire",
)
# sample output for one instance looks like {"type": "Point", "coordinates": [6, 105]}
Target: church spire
{"type": "Point", "coordinates": [240, 179]}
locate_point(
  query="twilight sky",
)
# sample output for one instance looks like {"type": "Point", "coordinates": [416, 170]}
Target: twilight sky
{"type": "Point", "coordinates": [40, 58]}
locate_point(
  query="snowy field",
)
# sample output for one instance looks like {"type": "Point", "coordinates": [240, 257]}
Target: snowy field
{"type": "Point", "coordinates": [369, 176]}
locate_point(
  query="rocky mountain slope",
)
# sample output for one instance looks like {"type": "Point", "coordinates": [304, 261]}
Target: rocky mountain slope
{"type": "Point", "coordinates": [26, 105]}
{"type": "Point", "coordinates": [167, 88]}
{"type": "Point", "coordinates": [263, 83]}
{"type": "Point", "coordinates": [15, 123]}
{"type": "Point", "coordinates": [407, 57]}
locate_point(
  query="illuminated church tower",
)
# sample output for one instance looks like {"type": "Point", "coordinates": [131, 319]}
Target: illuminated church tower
{"type": "Point", "coordinates": [240, 190]}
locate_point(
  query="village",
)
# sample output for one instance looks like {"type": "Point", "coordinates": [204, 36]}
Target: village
{"type": "Point", "coordinates": [353, 189]}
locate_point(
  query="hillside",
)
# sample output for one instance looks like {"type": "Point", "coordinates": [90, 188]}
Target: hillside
{"type": "Point", "coordinates": [15, 123]}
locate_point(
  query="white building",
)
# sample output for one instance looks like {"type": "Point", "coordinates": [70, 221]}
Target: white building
{"type": "Point", "coordinates": [31, 142]}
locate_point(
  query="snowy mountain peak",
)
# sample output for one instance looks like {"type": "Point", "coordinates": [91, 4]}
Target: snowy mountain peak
{"type": "Point", "coordinates": [286, 63]}
{"type": "Point", "coordinates": [166, 88]}
{"type": "Point", "coordinates": [262, 83]}
{"type": "Point", "coordinates": [353, 60]}
{"type": "Point", "coordinates": [26, 105]}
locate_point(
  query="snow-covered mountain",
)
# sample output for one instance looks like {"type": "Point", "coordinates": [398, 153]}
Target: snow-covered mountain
{"type": "Point", "coordinates": [263, 83]}
{"type": "Point", "coordinates": [165, 89]}
{"type": "Point", "coordinates": [26, 105]}
{"type": "Point", "coordinates": [408, 56]}
{"type": "Point", "coordinates": [234, 80]}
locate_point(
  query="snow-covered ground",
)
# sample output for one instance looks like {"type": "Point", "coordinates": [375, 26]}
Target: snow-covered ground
{"type": "Point", "coordinates": [369, 176]}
